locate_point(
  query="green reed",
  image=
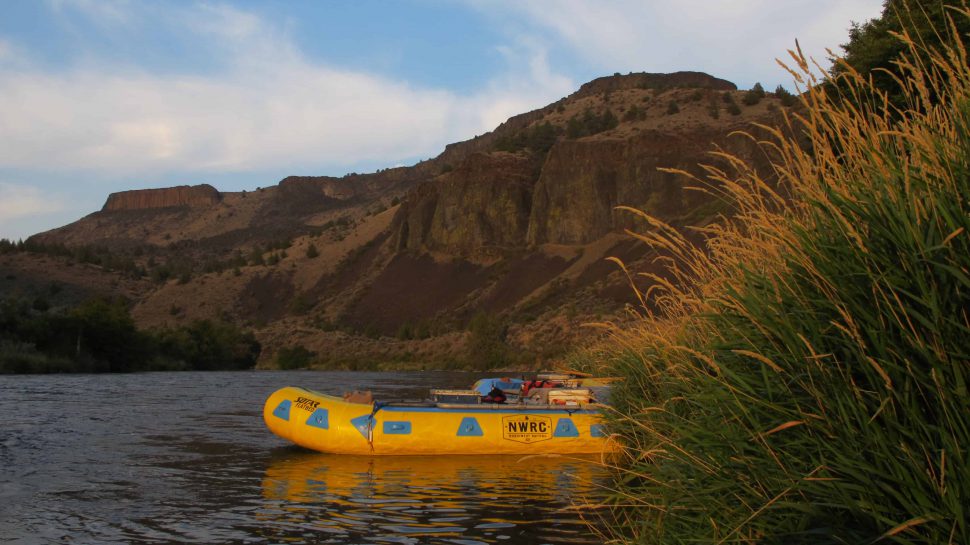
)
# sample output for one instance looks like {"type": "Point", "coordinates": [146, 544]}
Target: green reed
{"type": "Point", "coordinates": [805, 379]}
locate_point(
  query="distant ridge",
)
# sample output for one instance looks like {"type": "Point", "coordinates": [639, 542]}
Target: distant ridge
{"type": "Point", "coordinates": [183, 195]}
{"type": "Point", "coordinates": [395, 265]}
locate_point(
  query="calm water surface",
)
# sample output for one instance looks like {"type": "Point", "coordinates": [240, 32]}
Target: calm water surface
{"type": "Point", "coordinates": [186, 458]}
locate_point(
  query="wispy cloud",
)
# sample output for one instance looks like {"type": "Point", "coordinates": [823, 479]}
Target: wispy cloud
{"type": "Point", "coordinates": [530, 82]}
{"type": "Point", "coordinates": [19, 201]}
{"type": "Point", "coordinates": [10, 55]}
{"type": "Point", "coordinates": [266, 106]}
{"type": "Point", "coordinates": [738, 39]}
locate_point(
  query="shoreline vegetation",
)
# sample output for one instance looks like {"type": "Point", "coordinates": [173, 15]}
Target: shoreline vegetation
{"type": "Point", "coordinates": [803, 378]}
{"type": "Point", "coordinates": [99, 336]}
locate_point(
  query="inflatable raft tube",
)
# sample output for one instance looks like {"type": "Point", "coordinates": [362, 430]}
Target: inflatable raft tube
{"type": "Point", "coordinates": [329, 424]}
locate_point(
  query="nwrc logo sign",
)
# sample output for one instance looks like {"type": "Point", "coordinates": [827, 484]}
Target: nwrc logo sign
{"type": "Point", "coordinates": [526, 428]}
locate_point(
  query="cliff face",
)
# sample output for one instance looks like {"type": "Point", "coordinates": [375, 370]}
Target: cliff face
{"type": "Point", "coordinates": [568, 194]}
{"type": "Point", "coordinates": [582, 182]}
{"type": "Point", "coordinates": [352, 186]}
{"type": "Point", "coordinates": [318, 186]}
{"type": "Point", "coordinates": [183, 195]}
{"type": "Point", "coordinates": [577, 190]}
{"type": "Point", "coordinates": [483, 203]}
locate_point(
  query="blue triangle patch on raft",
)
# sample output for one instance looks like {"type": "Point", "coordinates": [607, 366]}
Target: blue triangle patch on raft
{"type": "Point", "coordinates": [319, 419]}
{"type": "Point", "coordinates": [469, 427]}
{"type": "Point", "coordinates": [363, 425]}
{"type": "Point", "coordinates": [566, 428]}
{"type": "Point", "coordinates": [282, 410]}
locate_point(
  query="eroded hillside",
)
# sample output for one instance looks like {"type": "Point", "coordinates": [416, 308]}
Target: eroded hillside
{"type": "Point", "coordinates": [503, 236]}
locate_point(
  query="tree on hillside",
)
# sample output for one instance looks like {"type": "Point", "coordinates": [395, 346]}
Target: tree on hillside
{"type": "Point", "coordinates": [732, 106]}
{"type": "Point", "coordinates": [873, 49]}
{"type": "Point", "coordinates": [590, 123]}
{"type": "Point", "coordinates": [754, 95]}
{"type": "Point", "coordinates": [486, 347]}
{"type": "Point", "coordinates": [539, 138]}
{"type": "Point", "coordinates": [787, 99]}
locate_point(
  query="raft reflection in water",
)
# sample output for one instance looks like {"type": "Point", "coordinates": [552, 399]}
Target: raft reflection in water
{"type": "Point", "coordinates": [421, 499]}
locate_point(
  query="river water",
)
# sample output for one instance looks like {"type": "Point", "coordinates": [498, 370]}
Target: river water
{"type": "Point", "coordinates": [186, 458]}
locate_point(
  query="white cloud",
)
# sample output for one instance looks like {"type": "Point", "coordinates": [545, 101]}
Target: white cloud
{"type": "Point", "coordinates": [19, 201]}
{"type": "Point", "coordinates": [736, 39]}
{"type": "Point", "coordinates": [10, 55]}
{"type": "Point", "coordinates": [512, 94]}
{"type": "Point", "coordinates": [266, 107]}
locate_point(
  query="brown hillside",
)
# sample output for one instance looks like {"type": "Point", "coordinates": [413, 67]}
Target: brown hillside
{"type": "Point", "coordinates": [393, 265]}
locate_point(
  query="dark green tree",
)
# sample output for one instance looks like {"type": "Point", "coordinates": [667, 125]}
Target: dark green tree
{"type": "Point", "coordinates": [486, 347]}
{"type": "Point", "coordinates": [574, 128]}
{"type": "Point", "coordinates": [543, 136]}
{"type": "Point", "coordinates": [294, 357]}
{"type": "Point", "coordinates": [103, 330]}
{"type": "Point", "coordinates": [787, 99]}
{"type": "Point", "coordinates": [206, 345]}
{"type": "Point", "coordinates": [872, 49]}
{"type": "Point", "coordinates": [754, 95]}
{"type": "Point", "coordinates": [608, 121]}
{"type": "Point", "coordinates": [635, 113]}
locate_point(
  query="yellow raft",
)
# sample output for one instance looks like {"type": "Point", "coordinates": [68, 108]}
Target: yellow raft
{"type": "Point", "coordinates": [329, 424]}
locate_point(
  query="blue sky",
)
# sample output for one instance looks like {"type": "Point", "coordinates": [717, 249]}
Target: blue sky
{"type": "Point", "coordinates": [103, 96]}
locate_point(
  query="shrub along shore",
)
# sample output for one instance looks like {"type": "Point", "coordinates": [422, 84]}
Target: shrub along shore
{"type": "Point", "coordinates": [803, 376]}
{"type": "Point", "coordinates": [100, 336]}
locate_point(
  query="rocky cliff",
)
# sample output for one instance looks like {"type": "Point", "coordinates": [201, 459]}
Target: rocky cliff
{"type": "Point", "coordinates": [394, 264]}
{"type": "Point", "coordinates": [567, 190]}
{"type": "Point", "coordinates": [582, 182]}
{"type": "Point", "coordinates": [646, 80]}
{"type": "Point", "coordinates": [484, 203]}
{"type": "Point", "coordinates": [140, 199]}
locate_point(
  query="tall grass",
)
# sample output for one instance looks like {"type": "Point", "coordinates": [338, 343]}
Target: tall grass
{"type": "Point", "coordinates": [805, 377]}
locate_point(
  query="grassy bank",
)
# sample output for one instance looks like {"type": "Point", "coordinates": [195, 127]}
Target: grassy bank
{"type": "Point", "coordinates": [805, 379]}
